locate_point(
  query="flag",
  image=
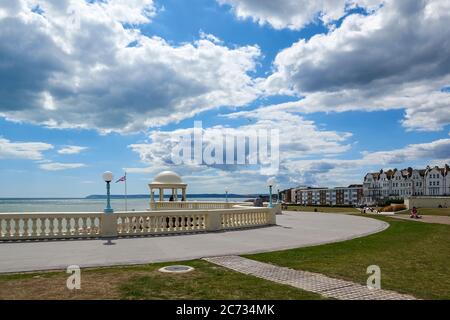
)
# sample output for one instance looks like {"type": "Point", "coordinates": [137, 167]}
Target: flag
{"type": "Point", "coordinates": [124, 178]}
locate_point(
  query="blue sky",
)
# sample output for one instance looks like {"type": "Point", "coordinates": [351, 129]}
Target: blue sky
{"type": "Point", "coordinates": [349, 88]}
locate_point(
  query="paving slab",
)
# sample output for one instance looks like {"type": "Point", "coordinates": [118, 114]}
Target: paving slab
{"type": "Point", "coordinates": [292, 230]}
{"type": "Point", "coordinates": [309, 281]}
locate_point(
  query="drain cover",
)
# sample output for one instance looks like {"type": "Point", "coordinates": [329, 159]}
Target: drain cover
{"type": "Point", "coordinates": [176, 269]}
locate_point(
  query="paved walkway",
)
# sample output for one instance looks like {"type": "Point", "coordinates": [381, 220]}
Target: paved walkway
{"type": "Point", "coordinates": [425, 218]}
{"type": "Point", "coordinates": [313, 282]}
{"type": "Point", "coordinates": [293, 230]}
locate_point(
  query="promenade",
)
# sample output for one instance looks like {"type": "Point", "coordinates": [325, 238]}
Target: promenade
{"type": "Point", "coordinates": [292, 230]}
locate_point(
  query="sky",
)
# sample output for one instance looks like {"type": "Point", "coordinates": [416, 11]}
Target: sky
{"type": "Point", "coordinates": [349, 86]}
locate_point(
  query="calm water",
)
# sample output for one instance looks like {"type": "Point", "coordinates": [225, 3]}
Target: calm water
{"type": "Point", "coordinates": [81, 205]}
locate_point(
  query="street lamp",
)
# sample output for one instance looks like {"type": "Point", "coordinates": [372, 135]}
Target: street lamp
{"type": "Point", "coordinates": [278, 195]}
{"type": "Point", "coordinates": [226, 194]}
{"type": "Point", "coordinates": [108, 177]}
{"type": "Point", "coordinates": [270, 183]}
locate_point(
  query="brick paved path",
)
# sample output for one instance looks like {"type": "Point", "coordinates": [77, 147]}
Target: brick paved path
{"type": "Point", "coordinates": [314, 282]}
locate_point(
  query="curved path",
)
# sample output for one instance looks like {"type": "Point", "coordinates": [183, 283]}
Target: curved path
{"type": "Point", "coordinates": [292, 230]}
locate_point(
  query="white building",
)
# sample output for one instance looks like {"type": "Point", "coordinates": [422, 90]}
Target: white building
{"type": "Point", "coordinates": [400, 184]}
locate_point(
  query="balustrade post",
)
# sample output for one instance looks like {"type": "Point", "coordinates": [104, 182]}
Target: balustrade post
{"type": "Point", "coordinates": [108, 225]}
{"type": "Point", "coordinates": [16, 227]}
{"type": "Point", "coordinates": [8, 228]}
{"type": "Point", "coordinates": [214, 221]}
{"type": "Point", "coordinates": [271, 213]}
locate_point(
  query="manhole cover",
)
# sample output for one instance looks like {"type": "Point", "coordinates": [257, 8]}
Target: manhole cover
{"type": "Point", "coordinates": [176, 269]}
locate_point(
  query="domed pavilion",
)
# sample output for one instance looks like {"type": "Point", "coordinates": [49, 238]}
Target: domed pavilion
{"type": "Point", "coordinates": [168, 180]}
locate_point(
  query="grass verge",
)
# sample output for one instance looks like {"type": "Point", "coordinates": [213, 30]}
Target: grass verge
{"type": "Point", "coordinates": [414, 258]}
{"type": "Point", "coordinates": [207, 281]}
{"type": "Point", "coordinates": [434, 211]}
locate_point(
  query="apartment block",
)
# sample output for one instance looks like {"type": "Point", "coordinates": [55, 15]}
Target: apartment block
{"type": "Point", "coordinates": [351, 195]}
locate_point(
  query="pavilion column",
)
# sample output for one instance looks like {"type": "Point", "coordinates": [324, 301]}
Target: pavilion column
{"type": "Point", "coordinates": [152, 195]}
{"type": "Point", "coordinates": [173, 194]}
{"type": "Point", "coordinates": [161, 194]}
{"type": "Point", "coordinates": [176, 194]}
{"type": "Point", "coordinates": [183, 197]}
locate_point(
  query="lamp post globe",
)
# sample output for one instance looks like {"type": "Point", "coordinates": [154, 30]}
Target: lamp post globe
{"type": "Point", "coordinates": [108, 177]}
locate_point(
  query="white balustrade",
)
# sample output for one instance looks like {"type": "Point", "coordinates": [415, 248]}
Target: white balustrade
{"type": "Point", "coordinates": [57, 225]}
{"type": "Point", "coordinates": [194, 205]}
{"type": "Point", "coordinates": [245, 218]}
{"type": "Point", "coordinates": [145, 223]}
{"type": "Point", "coordinates": [42, 225]}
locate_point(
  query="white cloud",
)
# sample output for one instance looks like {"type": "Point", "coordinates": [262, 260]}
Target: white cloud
{"type": "Point", "coordinates": [71, 150]}
{"type": "Point", "coordinates": [129, 11]}
{"type": "Point", "coordinates": [438, 150]}
{"type": "Point", "coordinates": [341, 172]}
{"type": "Point", "coordinates": [22, 150]}
{"type": "Point", "coordinates": [397, 57]}
{"type": "Point", "coordinates": [299, 139]}
{"type": "Point", "coordinates": [297, 167]}
{"type": "Point", "coordinates": [57, 166]}
{"type": "Point", "coordinates": [97, 73]}
{"type": "Point", "coordinates": [295, 14]}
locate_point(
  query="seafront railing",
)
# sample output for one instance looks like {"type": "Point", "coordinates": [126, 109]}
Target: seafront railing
{"type": "Point", "coordinates": [188, 205]}
{"type": "Point", "coordinates": [45, 225]}
{"type": "Point", "coordinates": [61, 225]}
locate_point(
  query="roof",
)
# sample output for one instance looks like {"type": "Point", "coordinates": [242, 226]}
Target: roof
{"type": "Point", "coordinates": [408, 172]}
{"type": "Point", "coordinates": [167, 178]}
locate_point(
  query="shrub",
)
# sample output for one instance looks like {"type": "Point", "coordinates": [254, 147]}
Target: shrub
{"type": "Point", "coordinates": [393, 208]}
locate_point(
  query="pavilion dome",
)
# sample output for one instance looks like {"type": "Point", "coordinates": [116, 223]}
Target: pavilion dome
{"type": "Point", "coordinates": [167, 177]}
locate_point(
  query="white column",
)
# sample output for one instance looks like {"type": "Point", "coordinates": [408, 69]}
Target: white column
{"type": "Point", "coordinates": [152, 199]}
{"type": "Point", "coordinates": [183, 196]}
{"type": "Point", "coordinates": [161, 194]}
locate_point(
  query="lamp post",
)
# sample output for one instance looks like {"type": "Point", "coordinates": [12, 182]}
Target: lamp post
{"type": "Point", "coordinates": [226, 195]}
{"type": "Point", "coordinates": [108, 177]}
{"type": "Point", "coordinates": [270, 183]}
{"type": "Point", "coordinates": [278, 195]}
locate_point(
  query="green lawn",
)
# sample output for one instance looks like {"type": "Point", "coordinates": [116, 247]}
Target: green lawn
{"type": "Point", "coordinates": [323, 209]}
{"type": "Point", "coordinates": [434, 211]}
{"type": "Point", "coordinates": [414, 258]}
{"type": "Point", "coordinates": [207, 281]}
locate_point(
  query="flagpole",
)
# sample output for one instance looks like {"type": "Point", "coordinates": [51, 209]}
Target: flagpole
{"type": "Point", "coordinates": [126, 204]}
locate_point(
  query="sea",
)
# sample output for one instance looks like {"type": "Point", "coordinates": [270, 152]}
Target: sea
{"type": "Point", "coordinates": [82, 204]}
